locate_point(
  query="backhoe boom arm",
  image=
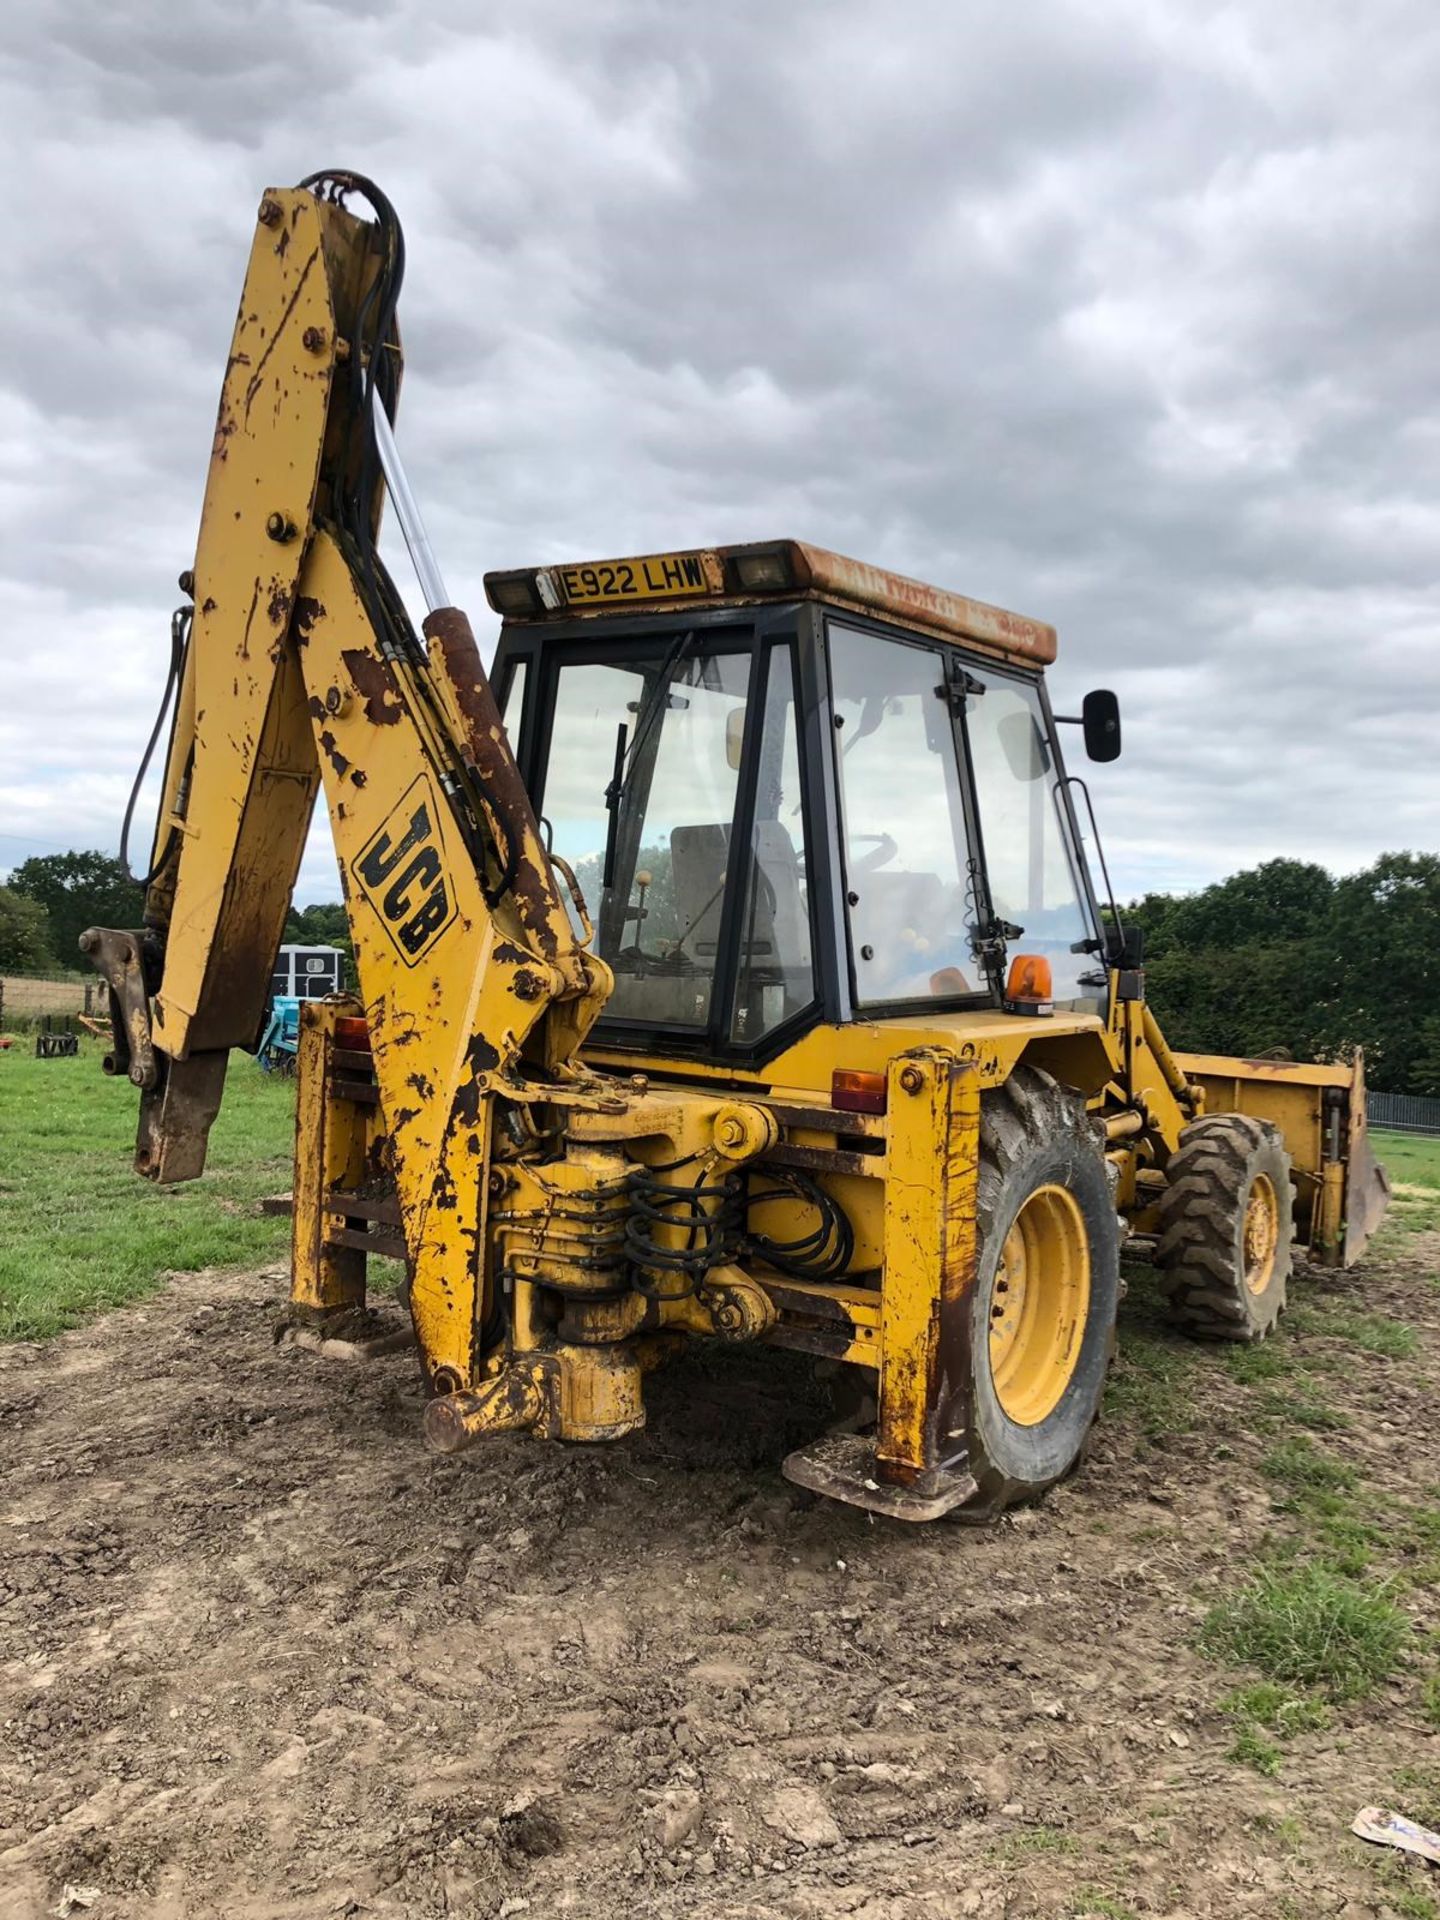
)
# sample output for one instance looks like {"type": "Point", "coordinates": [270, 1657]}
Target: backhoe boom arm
{"type": "Point", "coordinates": [302, 672]}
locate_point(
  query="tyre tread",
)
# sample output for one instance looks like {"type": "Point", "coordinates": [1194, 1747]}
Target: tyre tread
{"type": "Point", "coordinates": [1200, 1222]}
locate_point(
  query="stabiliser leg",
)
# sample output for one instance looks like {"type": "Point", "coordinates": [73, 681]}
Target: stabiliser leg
{"type": "Point", "coordinates": [914, 1465]}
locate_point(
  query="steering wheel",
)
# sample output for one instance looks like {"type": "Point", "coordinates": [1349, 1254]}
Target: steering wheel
{"type": "Point", "coordinates": [880, 855]}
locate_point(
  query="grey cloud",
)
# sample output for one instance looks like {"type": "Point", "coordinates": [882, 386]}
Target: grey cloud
{"type": "Point", "coordinates": [1124, 316]}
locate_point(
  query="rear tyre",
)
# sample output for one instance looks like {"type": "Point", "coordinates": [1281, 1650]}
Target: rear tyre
{"type": "Point", "coordinates": [1047, 1286]}
{"type": "Point", "coordinates": [1226, 1225]}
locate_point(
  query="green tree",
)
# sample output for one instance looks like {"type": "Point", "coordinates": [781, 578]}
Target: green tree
{"type": "Point", "coordinates": [24, 932]}
{"type": "Point", "coordinates": [1425, 1067]}
{"type": "Point", "coordinates": [1279, 901]}
{"type": "Point", "coordinates": [79, 890]}
{"type": "Point", "coordinates": [1282, 955]}
{"type": "Point", "coordinates": [1388, 925]}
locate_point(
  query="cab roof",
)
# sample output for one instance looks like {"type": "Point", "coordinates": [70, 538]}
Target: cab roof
{"type": "Point", "coordinates": [747, 575]}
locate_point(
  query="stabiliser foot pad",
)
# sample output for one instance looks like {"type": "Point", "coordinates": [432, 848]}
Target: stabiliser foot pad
{"type": "Point", "coordinates": [843, 1466]}
{"type": "Point", "coordinates": [347, 1335]}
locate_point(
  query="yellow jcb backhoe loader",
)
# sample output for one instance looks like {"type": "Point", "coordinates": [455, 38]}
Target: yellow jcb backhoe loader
{"type": "Point", "coordinates": [847, 1060]}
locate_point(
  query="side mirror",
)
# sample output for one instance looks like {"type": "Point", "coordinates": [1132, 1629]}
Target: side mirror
{"type": "Point", "coordinates": [1100, 722]}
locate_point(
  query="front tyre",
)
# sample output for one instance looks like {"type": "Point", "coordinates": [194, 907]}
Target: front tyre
{"type": "Point", "coordinates": [1226, 1222]}
{"type": "Point", "coordinates": [1047, 1286]}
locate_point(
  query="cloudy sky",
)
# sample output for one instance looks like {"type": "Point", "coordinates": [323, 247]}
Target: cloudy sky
{"type": "Point", "coordinates": [1123, 315]}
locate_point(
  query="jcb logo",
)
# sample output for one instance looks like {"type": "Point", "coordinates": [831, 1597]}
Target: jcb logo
{"type": "Point", "coordinates": [403, 876]}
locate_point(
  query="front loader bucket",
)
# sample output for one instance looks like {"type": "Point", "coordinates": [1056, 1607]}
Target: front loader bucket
{"type": "Point", "coordinates": [1341, 1192]}
{"type": "Point", "coordinates": [1367, 1185]}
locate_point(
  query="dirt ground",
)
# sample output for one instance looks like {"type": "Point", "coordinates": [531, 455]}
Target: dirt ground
{"type": "Point", "coordinates": [261, 1655]}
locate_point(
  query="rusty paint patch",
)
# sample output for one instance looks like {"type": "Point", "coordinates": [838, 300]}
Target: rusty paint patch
{"type": "Point", "coordinates": [421, 1085]}
{"type": "Point", "coordinates": [375, 684]}
{"type": "Point", "coordinates": [278, 606]}
{"type": "Point", "coordinates": [531, 887]}
{"type": "Point", "coordinates": [333, 754]}
{"type": "Point", "coordinates": [481, 1059]}
{"type": "Point", "coordinates": [887, 592]}
{"type": "Point", "coordinates": [307, 611]}
{"type": "Point", "coordinates": [249, 619]}
{"type": "Point", "coordinates": [258, 375]}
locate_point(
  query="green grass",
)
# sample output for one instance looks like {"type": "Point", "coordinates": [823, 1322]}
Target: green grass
{"type": "Point", "coordinates": [1346, 1544]}
{"type": "Point", "coordinates": [1307, 1626]}
{"type": "Point", "coordinates": [1418, 1793]}
{"type": "Point", "coordinates": [80, 1231]}
{"type": "Point", "coordinates": [1292, 1405]}
{"type": "Point", "coordinates": [1413, 1164]}
{"type": "Point", "coordinates": [1026, 1841]}
{"type": "Point", "coordinates": [1252, 1748]}
{"type": "Point", "coordinates": [1304, 1469]}
{"type": "Point", "coordinates": [1269, 1360]}
{"type": "Point", "coordinates": [1371, 1332]}
{"type": "Point", "coordinates": [1411, 1905]}
{"type": "Point", "coordinates": [1278, 1709]}
{"type": "Point", "coordinates": [1150, 1382]}
{"type": "Point", "coordinates": [1397, 1874]}
{"type": "Point", "coordinates": [1287, 1828]}
{"type": "Point", "coordinates": [1088, 1903]}
{"type": "Point", "coordinates": [1265, 1709]}
{"type": "Point", "coordinates": [1413, 1158]}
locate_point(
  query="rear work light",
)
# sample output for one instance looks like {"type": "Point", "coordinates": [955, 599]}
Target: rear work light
{"type": "Point", "coordinates": [513, 593]}
{"type": "Point", "coordinates": [853, 1091]}
{"type": "Point", "coordinates": [763, 570]}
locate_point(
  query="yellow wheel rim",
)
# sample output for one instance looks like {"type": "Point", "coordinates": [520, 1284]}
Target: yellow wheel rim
{"type": "Point", "coordinates": [1039, 1300]}
{"type": "Point", "coordinates": [1261, 1232]}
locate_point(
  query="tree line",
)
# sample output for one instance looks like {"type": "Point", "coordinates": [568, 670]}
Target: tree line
{"type": "Point", "coordinates": [1287, 955]}
{"type": "Point", "coordinates": [49, 901]}
{"type": "Point", "coordinates": [1282, 955]}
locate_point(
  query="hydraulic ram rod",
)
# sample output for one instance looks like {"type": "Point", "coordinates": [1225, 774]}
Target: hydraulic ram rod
{"type": "Point", "coordinates": [422, 554]}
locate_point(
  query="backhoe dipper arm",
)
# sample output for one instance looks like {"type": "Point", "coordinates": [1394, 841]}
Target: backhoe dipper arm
{"type": "Point", "coordinates": [302, 670]}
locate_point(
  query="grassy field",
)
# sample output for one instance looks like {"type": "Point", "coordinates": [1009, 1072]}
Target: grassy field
{"type": "Point", "coordinates": [79, 1231]}
{"type": "Point", "coordinates": [1408, 1157]}
{"type": "Point", "coordinates": [1413, 1163]}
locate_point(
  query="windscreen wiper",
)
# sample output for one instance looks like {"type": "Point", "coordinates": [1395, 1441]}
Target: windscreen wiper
{"type": "Point", "coordinates": [623, 775]}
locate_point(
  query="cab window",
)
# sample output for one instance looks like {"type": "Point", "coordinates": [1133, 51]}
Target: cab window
{"type": "Point", "coordinates": [913, 907]}
{"type": "Point", "coordinates": [644, 766]}
{"type": "Point", "coordinates": [1029, 865]}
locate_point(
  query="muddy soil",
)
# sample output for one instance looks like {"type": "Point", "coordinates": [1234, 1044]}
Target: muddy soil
{"type": "Point", "coordinates": [261, 1655]}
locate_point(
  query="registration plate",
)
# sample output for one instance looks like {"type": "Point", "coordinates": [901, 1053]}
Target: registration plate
{"type": "Point", "coordinates": [653, 576]}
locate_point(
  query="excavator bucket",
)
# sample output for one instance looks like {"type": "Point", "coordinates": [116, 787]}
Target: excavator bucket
{"type": "Point", "coordinates": [1341, 1191]}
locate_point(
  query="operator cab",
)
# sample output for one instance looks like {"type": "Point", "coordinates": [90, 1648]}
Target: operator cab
{"type": "Point", "coordinates": [883, 751]}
